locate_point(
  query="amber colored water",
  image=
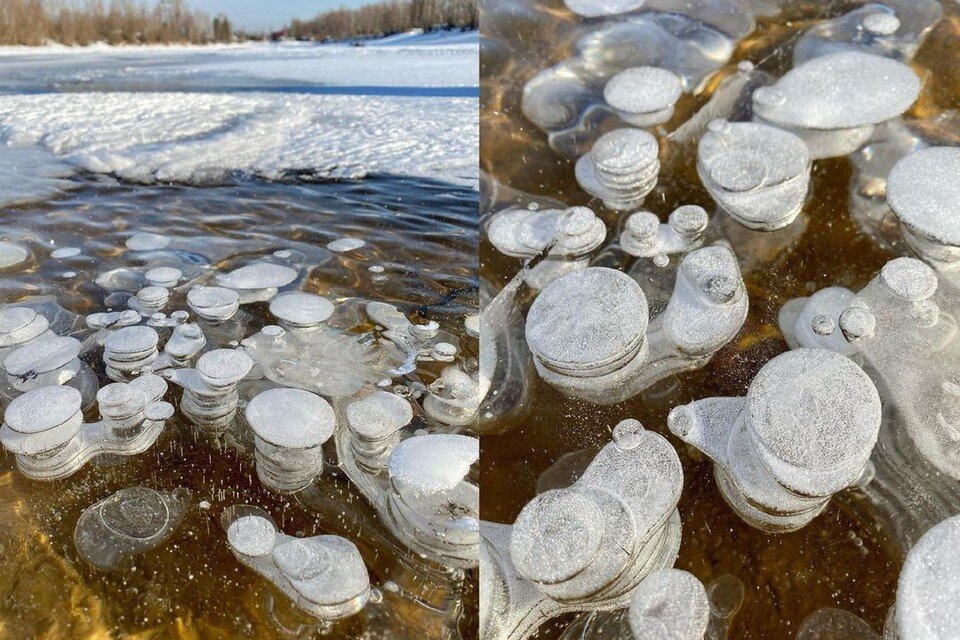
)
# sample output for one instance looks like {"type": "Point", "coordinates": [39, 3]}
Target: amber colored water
{"type": "Point", "coordinates": [844, 559]}
{"type": "Point", "coordinates": [191, 587]}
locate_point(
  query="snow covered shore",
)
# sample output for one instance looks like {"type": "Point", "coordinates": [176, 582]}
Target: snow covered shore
{"type": "Point", "coordinates": [403, 105]}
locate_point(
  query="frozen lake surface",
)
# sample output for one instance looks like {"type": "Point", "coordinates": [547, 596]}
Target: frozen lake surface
{"type": "Point", "coordinates": [405, 105]}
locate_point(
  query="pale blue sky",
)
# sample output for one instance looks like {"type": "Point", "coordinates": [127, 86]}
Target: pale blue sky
{"type": "Point", "coordinates": [269, 14]}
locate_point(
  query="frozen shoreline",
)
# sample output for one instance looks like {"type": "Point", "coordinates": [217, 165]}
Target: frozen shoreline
{"type": "Point", "coordinates": [193, 115]}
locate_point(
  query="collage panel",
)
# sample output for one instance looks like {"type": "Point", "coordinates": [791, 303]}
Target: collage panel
{"type": "Point", "coordinates": [720, 298]}
{"type": "Point", "coordinates": [238, 310]}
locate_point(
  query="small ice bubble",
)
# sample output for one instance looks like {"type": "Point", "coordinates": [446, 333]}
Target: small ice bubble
{"type": "Point", "coordinates": [472, 325]}
{"type": "Point", "coordinates": [147, 242]}
{"type": "Point", "coordinates": [644, 96]}
{"type": "Point", "coordinates": [282, 253]}
{"type": "Point", "coordinates": [214, 304]}
{"type": "Point", "coordinates": [444, 352]}
{"type": "Point", "coordinates": [258, 276]}
{"type": "Point", "coordinates": [342, 245]}
{"type": "Point", "coordinates": [823, 325]}
{"type": "Point", "coordinates": [857, 323]}
{"type": "Point", "coordinates": [378, 416]}
{"type": "Point", "coordinates": [628, 434]}
{"type": "Point", "coordinates": [376, 268]}
{"type": "Point", "coordinates": [909, 279]}
{"type": "Point", "coordinates": [65, 252]}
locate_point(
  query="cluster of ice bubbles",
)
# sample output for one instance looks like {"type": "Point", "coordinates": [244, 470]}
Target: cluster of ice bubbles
{"type": "Point", "coordinates": [281, 392]}
{"type": "Point", "coordinates": [868, 399]}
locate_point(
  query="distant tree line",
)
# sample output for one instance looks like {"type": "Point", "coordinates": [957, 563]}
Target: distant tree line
{"type": "Point", "coordinates": [389, 17]}
{"type": "Point", "coordinates": [81, 22]}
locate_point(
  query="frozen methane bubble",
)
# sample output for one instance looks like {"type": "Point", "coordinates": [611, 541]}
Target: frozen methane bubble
{"type": "Point", "coordinates": [825, 320]}
{"type": "Point", "coordinates": [129, 351]}
{"type": "Point", "coordinates": [643, 96]}
{"type": "Point", "coordinates": [691, 40]}
{"type": "Point", "coordinates": [323, 575]}
{"type": "Point", "coordinates": [597, 8]}
{"type": "Point", "coordinates": [342, 245]}
{"type": "Point", "coordinates": [644, 236]}
{"type": "Point", "coordinates": [258, 281]}
{"type": "Point", "coordinates": [149, 300]}
{"type": "Point", "coordinates": [454, 398]}
{"type": "Point", "coordinates": [210, 390]}
{"type": "Point", "coordinates": [902, 327]}
{"type": "Point", "coordinates": [924, 193]}
{"type": "Point", "coordinates": [18, 326]}
{"type": "Point", "coordinates": [44, 428]}
{"type": "Point", "coordinates": [804, 431]}
{"type": "Point", "coordinates": [375, 421]}
{"type": "Point", "coordinates": [894, 29]}
{"type": "Point", "coordinates": [65, 252]}
{"type": "Point", "coordinates": [585, 547]}
{"type": "Point", "coordinates": [833, 102]}
{"type": "Point", "coordinates": [167, 277]}
{"type": "Point", "coordinates": [214, 304]}
{"type": "Point", "coordinates": [670, 604]}
{"type": "Point", "coordinates": [756, 173]}
{"type": "Point", "coordinates": [928, 592]}
{"type": "Point", "coordinates": [128, 523]}
{"type": "Point", "coordinates": [11, 254]}
{"type": "Point", "coordinates": [621, 168]}
{"type": "Point", "coordinates": [147, 242]}
{"type": "Point", "coordinates": [591, 337]}
{"type": "Point", "coordinates": [50, 360]}
{"type": "Point", "coordinates": [290, 426]}
{"type": "Point", "coordinates": [571, 235]}
{"type": "Point", "coordinates": [186, 341]}
{"type": "Point", "coordinates": [433, 505]}
{"type": "Point", "coordinates": [301, 311]}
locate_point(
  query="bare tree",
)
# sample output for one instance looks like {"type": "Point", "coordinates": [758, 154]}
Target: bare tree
{"type": "Point", "coordinates": [385, 18]}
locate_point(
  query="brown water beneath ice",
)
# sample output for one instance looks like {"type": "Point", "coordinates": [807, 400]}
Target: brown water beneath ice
{"type": "Point", "coordinates": [845, 559]}
{"type": "Point", "coordinates": [424, 236]}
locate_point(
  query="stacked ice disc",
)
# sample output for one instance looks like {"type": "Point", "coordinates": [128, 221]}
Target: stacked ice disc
{"type": "Point", "coordinates": [185, 342]}
{"type": "Point", "coordinates": [214, 304]}
{"type": "Point", "coordinates": [258, 281]}
{"type": "Point", "coordinates": [924, 193]}
{"type": "Point", "coordinates": [595, 541]}
{"type": "Point", "coordinates": [210, 398]}
{"type": "Point", "coordinates": [621, 169]}
{"type": "Point", "coordinates": [928, 592]}
{"type": "Point", "coordinates": [11, 254]}
{"type": "Point", "coordinates": [18, 326]}
{"type": "Point", "coordinates": [587, 332]}
{"type": "Point", "coordinates": [42, 423]}
{"type": "Point", "coordinates": [833, 102]}
{"type": "Point", "coordinates": [643, 96]}
{"type": "Point", "coordinates": [125, 406]}
{"type": "Point", "coordinates": [128, 351]}
{"type": "Point", "coordinates": [51, 360]}
{"type": "Point", "coordinates": [375, 421]}
{"type": "Point", "coordinates": [454, 397]}
{"type": "Point", "coordinates": [144, 241]}
{"type": "Point", "coordinates": [670, 604]}
{"type": "Point", "coordinates": [757, 173]}
{"type": "Point", "coordinates": [149, 300]}
{"type": "Point", "coordinates": [804, 432]}
{"type": "Point", "coordinates": [127, 523]}
{"type": "Point", "coordinates": [166, 277]}
{"type": "Point", "coordinates": [323, 575]}
{"type": "Point", "coordinates": [290, 426]}
{"type": "Point", "coordinates": [644, 236]}
{"type": "Point", "coordinates": [299, 311]}
{"type": "Point", "coordinates": [521, 233]}
{"type": "Point", "coordinates": [433, 503]}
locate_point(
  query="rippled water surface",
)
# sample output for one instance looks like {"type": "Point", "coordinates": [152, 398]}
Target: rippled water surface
{"type": "Point", "coordinates": [421, 240]}
{"type": "Point", "coordinates": [846, 558]}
